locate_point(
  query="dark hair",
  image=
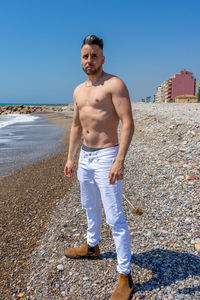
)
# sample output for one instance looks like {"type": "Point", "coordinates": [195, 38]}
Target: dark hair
{"type": "Point", "coordinates": [92, 40]}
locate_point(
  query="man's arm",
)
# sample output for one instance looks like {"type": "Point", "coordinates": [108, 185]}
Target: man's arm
{"type": "Point", "coordinates": [74, 141]}
{"type": "Point", "coordinates": [122, 104]}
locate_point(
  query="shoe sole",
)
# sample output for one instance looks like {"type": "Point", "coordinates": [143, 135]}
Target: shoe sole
{"type": "Point", "coordinates": [79, 257]}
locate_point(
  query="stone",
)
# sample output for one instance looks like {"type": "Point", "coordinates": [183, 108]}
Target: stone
{"type": "Point", "coordinates": [193, 177]}
{"type": "Point", "coordinates": [197, 246]}
{"type": "Point", "coordinates": [60, 267]}
{"type": "Point", "coordinates": [197, 233]}
{"type": "Point", "coordinates": [21, 295]}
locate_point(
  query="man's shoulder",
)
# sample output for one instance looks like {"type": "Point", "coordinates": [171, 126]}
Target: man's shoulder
{"type": "Point", "coordinates": [114, 82]}
{"type": "Point", "coordinates": [78, 88]}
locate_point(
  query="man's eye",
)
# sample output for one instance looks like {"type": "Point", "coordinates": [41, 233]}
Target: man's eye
{"type": "Point", "coordinates": [85, 56]}
{"type": "Point", "coordinates": [94, 56]}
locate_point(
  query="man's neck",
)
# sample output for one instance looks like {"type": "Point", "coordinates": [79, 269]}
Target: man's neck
{"type": "Point", "coordinates": [95, 78]}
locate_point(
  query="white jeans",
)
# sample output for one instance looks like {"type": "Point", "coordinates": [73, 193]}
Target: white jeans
{"type": "Point", "coordinates": [93, 172]}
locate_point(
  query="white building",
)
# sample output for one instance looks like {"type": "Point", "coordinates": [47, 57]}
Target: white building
{"type": "Point", "coordinates": [197, 88]}
{"type": "Point", "coordinates": [161, 92]}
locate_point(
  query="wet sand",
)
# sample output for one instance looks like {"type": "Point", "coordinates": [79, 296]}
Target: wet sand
{"type": "Point", "coordinates": [27, 142]}
{"type": "Point", "coordinates": [28, 198]}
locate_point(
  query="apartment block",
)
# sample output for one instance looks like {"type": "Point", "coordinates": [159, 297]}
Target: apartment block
{"type": "Point", "coordinates": [183, 84]}
{"type": "Point", "coordinates": [197, 88]}
{"type": "Point", "coordinates": [176, 85]}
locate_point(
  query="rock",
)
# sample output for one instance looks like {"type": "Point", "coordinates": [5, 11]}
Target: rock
{"type": "Point", "coordinates": [60, 267]}
{"type": "Point", "coordinates": [197, 240]}
{"type": "Point", "coordinates": [57, 285]}
{"type": "Point", "coordinates": [27, 109]}
{"type": "Point", "coordinates": [63, 108]}
{"type": "Point", "coordinates": [197, 233]}
{"type": "Point", "coordinates": [193, 177]}
{"type": "Point", "coordinates": [197, 246]}
{"type": "Point", "coordinates": [137, 211]}
{"type": "Point", "coordinates": [193, 133]}
{"type": "Point", "coordinates": [21, 295]}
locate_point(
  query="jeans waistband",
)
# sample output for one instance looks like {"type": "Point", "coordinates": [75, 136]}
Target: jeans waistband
{"type": "Point", "coordinates": [90, 149]}
{"type": "Point", "coordinates": [101, 152]}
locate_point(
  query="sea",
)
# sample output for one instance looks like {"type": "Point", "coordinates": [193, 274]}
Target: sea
{"type": "Point", "coordinates": [25, 138]}
{"type": "Point", "coordinates": [34, 104]}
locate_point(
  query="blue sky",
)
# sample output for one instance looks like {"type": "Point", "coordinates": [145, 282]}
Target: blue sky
{"type": "Point", "coordinates": [145, 43]}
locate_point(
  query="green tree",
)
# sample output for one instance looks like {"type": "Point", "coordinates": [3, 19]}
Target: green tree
{"type": "Point", "coordinates": [148, 99]}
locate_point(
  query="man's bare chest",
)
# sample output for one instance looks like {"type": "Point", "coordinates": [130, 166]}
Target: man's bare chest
{"type": "Point", "coordinates": [96, 97]}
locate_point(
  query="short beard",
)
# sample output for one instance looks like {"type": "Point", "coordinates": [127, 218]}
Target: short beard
{"type": "Point", "coordinates": [92, 72]}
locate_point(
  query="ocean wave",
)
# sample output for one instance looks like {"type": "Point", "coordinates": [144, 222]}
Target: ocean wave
{"type": "Point", "coordinates": [10, 119]}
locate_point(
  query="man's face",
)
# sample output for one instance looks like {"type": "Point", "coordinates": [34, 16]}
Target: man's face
{"type": "Point", "coordinates": [92, 59]}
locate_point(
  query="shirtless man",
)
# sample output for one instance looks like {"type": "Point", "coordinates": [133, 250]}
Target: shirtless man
{"type": "Point", "coordinates": [99, 104]}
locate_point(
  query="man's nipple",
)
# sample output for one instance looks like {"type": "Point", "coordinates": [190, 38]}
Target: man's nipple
{"type": "Point", "coordinates": [97, 100]}
{"type": "Point", "coordinates": [87, 131]}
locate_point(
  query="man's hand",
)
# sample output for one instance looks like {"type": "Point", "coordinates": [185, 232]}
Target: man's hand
{"type": "Point", "coordinates": [68, 170]}
{"type": "Point", "coordinates": [116, 172]}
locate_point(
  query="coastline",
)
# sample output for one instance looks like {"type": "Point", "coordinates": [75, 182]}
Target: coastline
{"type": "Point", "coordinates": [62, 119]}
{"type": "Point", "coordinates": [27, 141]}
{"type": "Point", "coordinates": [28, 198]}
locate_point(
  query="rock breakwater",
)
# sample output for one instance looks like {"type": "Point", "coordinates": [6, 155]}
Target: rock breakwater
{"type": "Point", "coordinates": [29, 109]}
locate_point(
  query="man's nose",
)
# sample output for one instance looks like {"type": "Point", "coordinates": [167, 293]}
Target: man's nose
{"type": "Point", "coordinates": [89, 59]}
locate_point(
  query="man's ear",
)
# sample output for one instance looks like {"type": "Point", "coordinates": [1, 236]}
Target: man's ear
{"type": "Point", "coordinates": [103, 59]}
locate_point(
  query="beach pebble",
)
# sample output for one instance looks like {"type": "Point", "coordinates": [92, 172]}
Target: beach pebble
{"type": "Point", "coordinates": [197, 246]}
{"type": "Point", "coordinates": [60, 267]}
{"type": "Point", "coordinates": [163, 155]}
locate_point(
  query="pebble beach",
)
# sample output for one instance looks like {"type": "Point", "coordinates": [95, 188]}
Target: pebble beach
{"type": "Point", "coordinates": [42, 216]}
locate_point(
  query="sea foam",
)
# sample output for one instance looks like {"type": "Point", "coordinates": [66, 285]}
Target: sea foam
{"type": "Point", "coordinates": [10, 119]}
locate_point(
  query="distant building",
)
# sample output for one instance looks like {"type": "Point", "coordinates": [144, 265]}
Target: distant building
{"type": "Point", "coordinates": [186, 99]}
{"type": "Point", "coordinates": [160, 95]}
{"type": "Point", "coordinates": [183, 83]}
{"type": "Point", "coordinates": [176, 85]}
{"type": "Point", "coordinates": [197, 88]}
{"type": "Point", "coordinates": [168, 90]}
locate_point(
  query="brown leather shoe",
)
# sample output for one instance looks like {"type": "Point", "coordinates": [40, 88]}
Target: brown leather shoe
{"type": "Point", "coordinates": [84, 251]}
{"type": "Point", "coordinates": [124, 287]}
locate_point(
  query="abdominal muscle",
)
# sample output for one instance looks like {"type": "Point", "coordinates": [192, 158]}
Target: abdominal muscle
{"type": "Point", "coordinates": [99, 140]}
{"type": "Point", "coordinates": [99, 132]}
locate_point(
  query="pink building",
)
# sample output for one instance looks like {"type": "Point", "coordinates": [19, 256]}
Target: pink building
{"type": "Point", "coordinates": [181, 84]}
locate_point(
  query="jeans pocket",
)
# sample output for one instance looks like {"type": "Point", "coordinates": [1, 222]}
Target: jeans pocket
{"type": "Point", "coordinates": [106, 160]}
